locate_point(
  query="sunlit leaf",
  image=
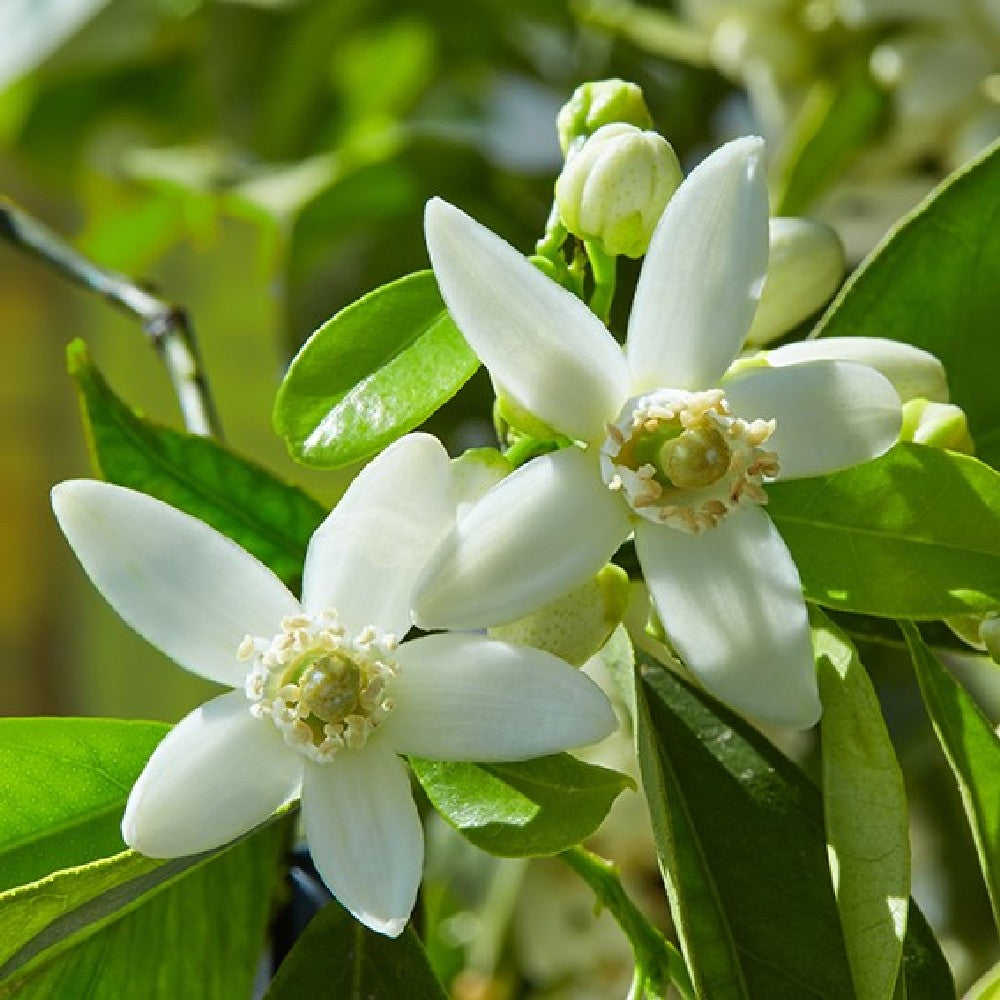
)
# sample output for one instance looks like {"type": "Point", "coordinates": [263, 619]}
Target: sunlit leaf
{"type": "Point", "coordinates": [913, 534]}
{"type": "Point", "coordinates": [933, 282]}
{"type": "Point", "coordinates": [973, 750]}
{"type": "Point", "coordinates": [376, 370]}
{"type": "Point", "coordinates": [864, 808]}
{"type": "Point", "coordinates": [525, 809]}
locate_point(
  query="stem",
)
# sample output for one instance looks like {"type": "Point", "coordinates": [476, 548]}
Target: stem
{"type": "Point", "coordinates": [603, 268]}
{"type": "Point", "coordinates": [555, 235]}
{"type": "Point", "coordinates": [658, 962]}
{"type": "Point", "coordinates": [167, 327]}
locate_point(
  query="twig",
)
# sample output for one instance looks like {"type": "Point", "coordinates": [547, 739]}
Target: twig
{"type": "Point", "coordinates": [167, 327]}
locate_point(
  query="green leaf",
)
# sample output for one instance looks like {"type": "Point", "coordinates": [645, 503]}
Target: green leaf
{"type": "Point", "coordinates": [739, 832]}
{"type": "Point", "coordinates": [988, 987]}
{"type": "Point", "coordinates": [63, 785]}
{"type": "Point", "coordinates": [973, 750]}
{"type": "Point", "coordinates": [131, 926]}
{"type": "Point", "coordinates": [374, 371]}
{"type": "Point", "coordinates": [338, 957]}
{"type": "Point", "coordinates": [933, 282]}
{"type": "Point", "coordinates": [526, 809]}
{"type": "Point", "coordinates": [864, 806]}
{"type": "Point", "coordinates": [836, 119]}
{"type": "Point", "coordinates": [244, 501]}
{"type": "Point", "coordinates": [913, 534]}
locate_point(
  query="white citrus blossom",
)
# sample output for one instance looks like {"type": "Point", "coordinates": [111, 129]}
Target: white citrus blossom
{"type": "Point", "coordinates": [324, 699]}
{"type": "Point", "coordinates": [668, 450]}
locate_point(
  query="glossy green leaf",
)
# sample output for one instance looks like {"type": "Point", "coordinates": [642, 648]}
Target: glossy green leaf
{"type": "Point", "coordinates": [973, 750]}
{"type": "Point", "coordinates": [913, 534]}
{"type": "Point", "coordinates": [338, 957]}
{"type": "Point", "coordinates": [835, 121]}
{"type": "Point", "coordinates": [524, 809]}
{"type": "Point", "coordinates": [117, 927]}
{"type": "Point", "coordinates": [739, 832]}
{"type": "Point", "coordinates": [864, 808]}
{"type": "Point", "coordinates": [933, 282]}
{"type": "Point", "coordinates": [269, 518]}
{"type": "Point", "coordinates": [63, 785]}
{"type": "Point", "coordinates": [374, 371]}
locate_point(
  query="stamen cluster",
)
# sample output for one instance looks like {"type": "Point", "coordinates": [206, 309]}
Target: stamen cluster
{"type": "Point", "coordinates": [681, 458]}
{"type": "Point", "coordinates": [323, 689]}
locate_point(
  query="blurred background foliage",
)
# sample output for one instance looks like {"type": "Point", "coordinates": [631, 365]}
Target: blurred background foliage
{"type": "Point", "coordinates": [263, 163]}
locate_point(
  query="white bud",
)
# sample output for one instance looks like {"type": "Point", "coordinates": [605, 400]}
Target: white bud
{"type": "Point", "coordinates": [913, 372]}
{"type": "Point", "coordinates": [805, 267]}
{"type": "Point", "coordinates": [600, 102]}
{"type": "Point", "coordinates": [614, 188]}
{"type": "Point", "coordinates": [939, 425]}
{"type": "Point", "coordinates": [474, 473]}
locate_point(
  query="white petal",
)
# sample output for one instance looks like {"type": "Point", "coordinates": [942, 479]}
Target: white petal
{"type": "Point", "coordinates": [830, 414]}
{"type": "Point", "coordinates": [912, 371]}
{"type": "Point", "coordinates": [364, 558]}
{"type": "Point", "coordinates": [217, 774]}
{"type": "Point", "coordinates": [184, 587]}
{"type": "Point", "coordinates": [731, 601]}
{"type": "Point", "coordinates": [465, 697]}
{"type": "Point", "coordinates": [539, 341]}
{"type": "Point", "coordinates": [536, 535]}
{"type": "Point", "coordinates": [703, 274]}
{"type": "Point", "coordinates": [364, 834]}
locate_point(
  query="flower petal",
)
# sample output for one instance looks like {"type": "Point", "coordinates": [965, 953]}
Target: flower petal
{"type": "Point", "coordinates": [830, 414]}
{"type": "Point", "coordinates": [364, 558]}
{"type": "Point", "coordinates": [703, 273]}
{"type": "Point", "coordinates": [912, 371]}
{"type": "Point", "coordinates": [546, 349]}
{"type": "Point", "coordinates": [184, 587]}
{"type": "Point", "coordinates": [466, 697]}
{"type": "Point", "coordinates": [217, 774]}
{"type": "Point", "coordinates": [731, 601]}
{"type": "Point", "coordinates": [536, 535]}
{"type": "Point", "coordinates": [365, 835]}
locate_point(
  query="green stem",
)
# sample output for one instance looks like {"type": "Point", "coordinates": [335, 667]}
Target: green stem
{"type": "Point", "coordinates": [167, 327]}
{"type": "Point", "coordinates": [555, 236]}
{"type": "Point", "coordinates": [603, 268]}
{"type": "Point", "coordinates": [658, 962]}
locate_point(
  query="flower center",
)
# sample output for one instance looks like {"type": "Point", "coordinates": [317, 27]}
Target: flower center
{"type": "Point", "coordinates": [322, 688]}
{"type": "Point", "coordinates": [680, 458]}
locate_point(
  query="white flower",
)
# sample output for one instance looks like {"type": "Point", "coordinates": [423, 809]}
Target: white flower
{"type": "Point", "coordinates": [669, 449]}
{"type": "Point", "coordinates": [323, 698]}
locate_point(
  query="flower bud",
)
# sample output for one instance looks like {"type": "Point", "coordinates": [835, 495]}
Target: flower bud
{"type": "Point", "coordinates": [804, 269]}
{"type": "Point", "coordinates": [598, 103]}
{"type": "Point", "coordinates": [574, 627]}
{"type": "Point", "coordinates": [913, 372]}
{"type": "Point", "coordinates": [939, 425]}
{"type": "Point", "coordinates": [989, 636]}
{"type": "Point", "coordinates": [614, 188]}
{"type": "Point", "coordinates": [474, 473]}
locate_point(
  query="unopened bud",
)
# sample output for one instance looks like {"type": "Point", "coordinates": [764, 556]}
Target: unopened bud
{"type": "Point", "coordinates": [601, 102]}
{"type": "Point", "coordinates": [576, 626]}
{"type": "Point", "coordinates": [805, 267]}
{"type": "Point", "coordinates": [474, 473]}
{"type": "Point", "coordinates": [939, 425]}
{"type": "Point", "coordinates": [914, 373]}
{"type": "Point", "coordinates": [989, 636]}
{"type": "Point", "coordinates": [614, 188]}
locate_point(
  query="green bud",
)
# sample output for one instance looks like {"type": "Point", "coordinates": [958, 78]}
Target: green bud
{"type": "Point", "coordinates": [805, 267]}
{"type": "Point", "coordinates": [939, 425]}
{"type": "Point", "coordinates": [598, 103]}
{"type": "Point", "coordinates": [614, 188]}
{"type": "Point", "coordinates": [989, 636]}
{"type": "Point", "coordinates": [576, 626]}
